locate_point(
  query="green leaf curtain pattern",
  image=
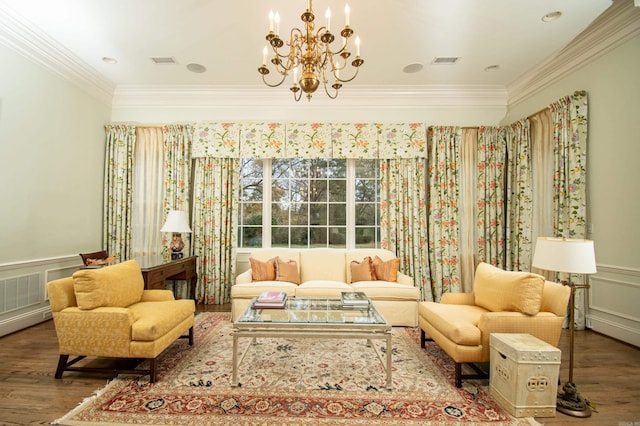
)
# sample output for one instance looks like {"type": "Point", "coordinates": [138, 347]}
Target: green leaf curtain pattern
{"type": "Point", "coordinates": [403, 223]}
{"type": "Point", "coordinates": [118, 195]}
{"type": "Point", "coordinates": [443, 191]}
{"type": "Point", "coordinates": [215, 215]}
{"type": "Point", "coordinates": [426, 176]}
{"type": "Point", "coordinates": [177, 177]}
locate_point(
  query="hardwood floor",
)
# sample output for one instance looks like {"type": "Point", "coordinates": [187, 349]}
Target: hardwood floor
{"type": "Point", "coordinates": [607, 373]}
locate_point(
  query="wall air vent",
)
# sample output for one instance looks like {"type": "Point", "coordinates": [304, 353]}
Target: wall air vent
{"type": "Point", "coordinates": [163, 60]}
{"type": "Point", "coordinates": [445, 60]}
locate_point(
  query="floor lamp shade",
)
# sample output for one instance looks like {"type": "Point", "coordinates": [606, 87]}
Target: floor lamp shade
{"type": "Point", "coordinates": [571, 256]}
{"type": "Point", "coordinates": [565, 255]}
{"type": "Point", "coordinates": [176, 223]}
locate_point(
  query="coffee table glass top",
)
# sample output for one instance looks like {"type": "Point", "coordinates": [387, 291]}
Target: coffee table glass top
{"type": "Point", "coordinates": [314, 311]}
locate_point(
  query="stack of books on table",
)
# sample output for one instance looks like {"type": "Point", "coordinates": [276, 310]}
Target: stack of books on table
{"type": "Point", "coordinates": [354, 300]}
{"type": "Point", "coordinates": [271, 300]}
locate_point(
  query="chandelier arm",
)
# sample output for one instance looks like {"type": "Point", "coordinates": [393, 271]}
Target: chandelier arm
{"type": "Point", "coordinates": [276, 84]}
{"type": "Point", "coordinates": [327, 91]}
{"type": "Point", "coordinates": [350, 79]}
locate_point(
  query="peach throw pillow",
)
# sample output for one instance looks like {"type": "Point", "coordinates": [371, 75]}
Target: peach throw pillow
{"type": "Point", "coordinates": [287, 271]}
{"type": "Point", "coordinates": [263, 271]}
{"type": "Point", "coordinates": [362, 271]}
{"type": "Point", "coordinates": [386, 271]}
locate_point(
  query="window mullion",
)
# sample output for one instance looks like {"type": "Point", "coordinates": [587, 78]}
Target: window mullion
{"type": "Point", "coordinates": [351, 210]}
{"type": "Point", "coordinates": [267, 171]}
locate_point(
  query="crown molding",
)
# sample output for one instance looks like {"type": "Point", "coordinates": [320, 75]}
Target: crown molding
{"type": "Point", "coordinates": [427, 96]}
{"type": "Point", "coordinates": [19, 35]}
{"type": "Point", "coordinates": [618, 24]}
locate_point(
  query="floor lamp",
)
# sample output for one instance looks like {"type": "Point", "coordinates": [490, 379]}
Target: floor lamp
{"type": "Point", "coordinates": [572, 256]}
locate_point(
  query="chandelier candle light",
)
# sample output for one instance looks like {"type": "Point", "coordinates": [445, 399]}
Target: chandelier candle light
{"type": "Point", "coordinates": [312, 52]}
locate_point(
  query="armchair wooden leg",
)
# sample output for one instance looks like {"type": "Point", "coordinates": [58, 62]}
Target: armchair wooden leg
{"type": "Point", "coordinates": [423, 338]}
{"type": "Point", "coordinates": [458, 374]}
{"type": "Point", "coordinates": [191, 336]}
{"type": "Point", "coordinates": [62, 363]}
{"type": "Point", "coordinates": [152, 370]}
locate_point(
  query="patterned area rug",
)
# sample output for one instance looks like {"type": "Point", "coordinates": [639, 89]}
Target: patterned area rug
{"type": "Point", "coordinates": [293, 382]}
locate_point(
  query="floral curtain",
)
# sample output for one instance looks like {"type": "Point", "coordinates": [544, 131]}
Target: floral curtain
{"type": "Point", "coordinates": [403, 224]}
{"type": "Point", "coordinates": [519, 188]}
{"type": "Point", "coordinates": [443, 191]}
{"type": "Point", "coordinates": [177, 185]}
{"type": "Point", "coordinates": [569, 116]}
{"type": "Point", "coordinates": [215, 215]}
{"type": "Point", "coordinates": [118, 196]}
{"type": "Point", "coordinates": [490, 196]}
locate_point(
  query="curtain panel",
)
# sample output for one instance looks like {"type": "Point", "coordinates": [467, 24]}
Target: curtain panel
{"type": "Point", "coordinates": [118, 195]}
{"type": "Point", "coordinates": [443, 193]}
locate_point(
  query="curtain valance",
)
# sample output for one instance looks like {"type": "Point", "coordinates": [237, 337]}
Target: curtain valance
{"type": "Point", "coordinates": [309, 140]}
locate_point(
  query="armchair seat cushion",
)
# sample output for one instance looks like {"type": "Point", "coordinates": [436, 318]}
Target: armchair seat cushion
{"type": "Point", "coordinates": [458, 322]}
{"type": "Point", "coordinates": [153, 320]}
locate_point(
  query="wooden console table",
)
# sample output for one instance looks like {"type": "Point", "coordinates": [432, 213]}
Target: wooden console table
{"type": "Point", "coordinates": [156, 271]}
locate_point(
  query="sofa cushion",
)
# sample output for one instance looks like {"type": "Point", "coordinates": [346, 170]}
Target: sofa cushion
{"type": "Point", "coordinates": [362, 271]}
{"type": "Point", "coordinates": [251, 290]}
{"type": "Point", "coordinates": [263, 271]}
{"type": "Point", "coordinates": [322, 289]}
{"type": "Point", "coordinates": [498, 290]}
{"type": "Point", "coordinates": [323, 264]}
{"type": "Point", "coordinates": [118, 285]}
{"type": "Point", "coordinates": [386, 271]}
{"type": "Point", "coordinates": [385, 290]}
{"type": "Point", "coordinates": [287, 271]}
{"type": "Point", "coordinates": [459, 323]}
{"type": "Point", "coordinates": [153, 320]}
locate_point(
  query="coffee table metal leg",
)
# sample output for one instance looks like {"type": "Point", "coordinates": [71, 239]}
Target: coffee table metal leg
{"type": "Point", "coordinates": [234, 360]}
{"type": "Point", "coordinates": [389, 350]}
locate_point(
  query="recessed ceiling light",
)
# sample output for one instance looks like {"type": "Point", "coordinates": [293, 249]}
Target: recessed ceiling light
{"type": "Point", "coordinates": [551, 16]}
{"type": "Point", "coordinates": [197, 68]}
{"type": "Point", "coordinates": [492, 68]}
{"type": "Point", "coordinates": [413, 68]}
{"type": "Point", "coordinates": [108, 60]}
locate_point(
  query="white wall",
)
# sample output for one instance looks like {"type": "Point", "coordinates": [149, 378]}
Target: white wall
{"type": "Point", "coordinates": [51, 158]}
{"type": "Point", "coordinates": [613, 86]}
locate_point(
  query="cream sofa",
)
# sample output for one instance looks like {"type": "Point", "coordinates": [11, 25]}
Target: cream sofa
{"type": "Point", "coordinates": [326, 273]}
{"type": "Point", "coordinates": [107, 313]}
{"type": "Point", "coordinates": [502, 302]}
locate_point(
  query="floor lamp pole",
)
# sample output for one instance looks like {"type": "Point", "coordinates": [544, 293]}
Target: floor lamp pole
{"type": "Point", "coordinates": [570, 402]}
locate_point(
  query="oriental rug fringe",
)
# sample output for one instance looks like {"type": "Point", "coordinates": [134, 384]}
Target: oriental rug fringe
{"type": "Point", "coordinates": [293, 382]}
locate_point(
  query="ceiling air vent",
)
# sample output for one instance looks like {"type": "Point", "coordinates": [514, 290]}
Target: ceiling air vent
{"type": "Point", "coordinates": [445, 60]}
{"type": "Point", "coordinates": [163, 60]}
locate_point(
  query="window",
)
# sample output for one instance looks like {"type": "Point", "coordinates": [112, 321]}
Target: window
{"type": "Point", "coordinates": [309, 203]}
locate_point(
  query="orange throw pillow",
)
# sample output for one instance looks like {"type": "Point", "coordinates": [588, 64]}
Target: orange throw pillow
{"type": "Point", "coordinates": [362, 271]}
{"type": "Point", "coordinates": [386, 271]}
{"type": "Point", "coordinates": [287, 271]}
{"type": "Point", "coordinates": [263, 271]}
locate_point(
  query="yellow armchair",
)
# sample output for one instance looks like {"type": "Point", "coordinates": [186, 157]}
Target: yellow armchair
{"type": "Point", "coordinates": [107, 313]}
{"type": "Point", "coordinates": [502, 302]}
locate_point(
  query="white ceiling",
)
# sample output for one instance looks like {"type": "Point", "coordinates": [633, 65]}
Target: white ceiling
{"type": "Point", "coordinates": [227, 36]}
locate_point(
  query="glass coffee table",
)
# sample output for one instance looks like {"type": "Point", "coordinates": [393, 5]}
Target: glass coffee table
{"type": "Point", "coordinates": [317, 319]}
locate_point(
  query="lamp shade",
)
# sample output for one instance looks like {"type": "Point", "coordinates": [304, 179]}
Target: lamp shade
{"type": "Point", "coordinates": [176, 222]}
{"type": "Point", "coordinates": [565, 255]}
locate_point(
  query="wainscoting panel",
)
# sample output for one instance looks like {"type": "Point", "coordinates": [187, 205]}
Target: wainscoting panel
{"type": "Point", "coordinates": [613, 303]}
{"type": "Point", "coordinates": [23, 298]}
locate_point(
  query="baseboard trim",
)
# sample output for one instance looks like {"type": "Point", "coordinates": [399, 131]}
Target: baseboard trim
{"type": "Point", "coordinates": [22, 321]}
{"type": "Point", "coordinates": [615, 330]}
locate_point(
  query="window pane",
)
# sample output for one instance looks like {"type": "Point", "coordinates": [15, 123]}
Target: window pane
{"type": "Point", "coordinates": [318, 214]}
{"type": "Point", "coordinates": [337, 169]}
{"type": "Point", "coordinates": [338, 191]}
{"type": "Point", "coordinates": [318, 190]}
{"type": "Point", "coordinates": [338, 237]}
{"type": "Point", "coordinates": [367, 169]}
{"type": "Point", "coordinates": [299, 237]}
{"type": "Point", "coordinates": [299, 214]}
{"type": "Point", "coordinates": [366, 214]}
{"type": "Point", "coordinates": [366, 237]}
{"type": "Point", "coordinates": [279, 236]}
{"type": "Point", "coordinates": [337, 214]}
{"type": "Point", "coordinates": [252, 237]}
{"type": "Point", "coordinates": [251, 214]}
{"type": "Point", "coordinates": [318, 237]}
{"type": "Point", "coordinates": [366, 190]}
{"type": "Point", "coordinates": [279, 216]}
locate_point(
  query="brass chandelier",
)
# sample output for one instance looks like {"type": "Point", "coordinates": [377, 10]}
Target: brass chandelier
{"type": "Point", "coordinates": [312, 52]}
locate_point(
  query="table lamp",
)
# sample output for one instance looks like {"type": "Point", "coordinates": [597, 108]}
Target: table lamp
{"type": "Point", "coordinates": [572, 256]}
{"type": "Point", "coordinates": [177, 223]}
